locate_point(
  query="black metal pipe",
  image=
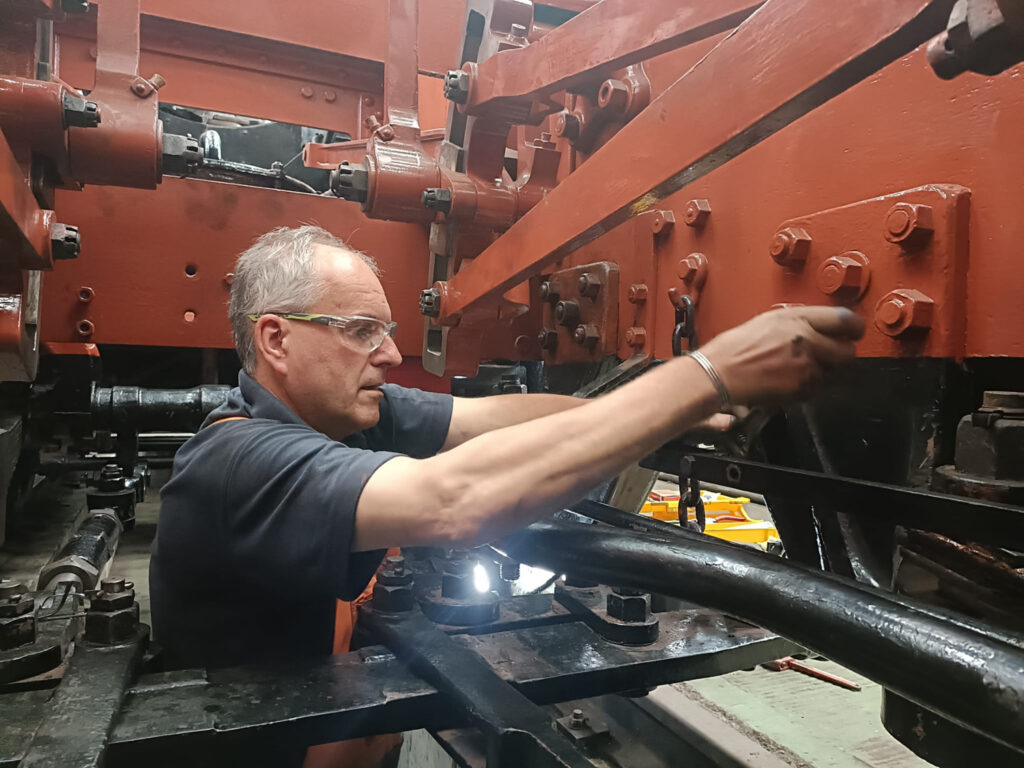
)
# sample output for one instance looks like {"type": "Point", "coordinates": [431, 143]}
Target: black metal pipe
{"type": "Point", "coordinates": [974, 679]}
{"type": "Point", "coordinates": [163, 409]}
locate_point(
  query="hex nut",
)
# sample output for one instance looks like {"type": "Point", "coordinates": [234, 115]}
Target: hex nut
{"type": "Point", "coordinates": [638, 293]}
{"type": "Point", "coordinates": [109, 627]}
{"type": "Point", "coordinates": [790, 246]}
{"type": "Point", "coordinates": [567, 126]}
{"type": "Point", "coordinates": [697, 213]}
{"type": "Point", "coordinates": [845, 276]}
{"type": "Point", "coordinates": [904, 311]}
{"type": "Point", "coordinates": [613, 96]}
{"type": "Point", "coordinates": [693, 269]}
{"type": "Point", "coordinates": [11, 588]}
{"type": "Point", "coordinates": [636, 337]}
{"type": "Point", "coordinates": [909, 225]}
{"type": "Point", "coordinates": [567, 313]}
{"type": "Point", "coordinates": [627, 607]}
{"type": "Point", "coordinates": [588, 285]}
{"type": "Point", "coordinates": [456, 86]}
{"type": "Point", "coordinates": [549, 292]}
{"type": "Point", "coordinates": [586, 335]}
{"type": "Point", "coordinates": [548, 339]}
{"type": "Point", "coordinates": [392, 598]}
{"type": "Point", "coordinates": [662, 222]}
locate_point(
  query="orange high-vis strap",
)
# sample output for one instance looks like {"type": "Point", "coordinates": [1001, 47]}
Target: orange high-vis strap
{"type": "Point", "coordinates": [354, 753]}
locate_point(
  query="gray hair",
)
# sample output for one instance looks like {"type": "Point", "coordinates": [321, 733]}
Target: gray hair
{"type": "Point", "coordinates": [278, 273]}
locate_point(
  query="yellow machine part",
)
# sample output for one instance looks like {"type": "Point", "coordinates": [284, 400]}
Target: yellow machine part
{"type": "Point", "coordinates": [727, 517]}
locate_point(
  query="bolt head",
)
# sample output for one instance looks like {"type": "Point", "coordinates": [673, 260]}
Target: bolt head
{"type": "Point", "coordinates": [904, 311]}
{"type": "Point", "coordinates": [586, 335]}
{"type": "Point", "coordinates": [456, 86]}
{"type": "Point", "coordinates": [636, 337]}
{"type": "Point", "coordinates": [588, 285]}
{"type": "Point", "coordinates": [627, 607]}
{"type": "Point", "coordinates": [613, 96]}
{"type": "Point", "coordinates": [662, 222]}
{"type": "Point", "coordinates": [638, 293]}
{"type": "Point", "coordinates": [548, 291]}
{"type": "Point", "coordinates": [697, 213]}
{"type": "Point", "coordinates": [567, 126]}
{"type": "Point", "coordinates": [790, 246]}
{"type": "Point", "coordinates": [845, 276]}
{"type": "Point", "coordinates": [548, 339]}
{"type": "Point", "coordinates": [430, 302]}
{"type": "Point", "coordinates": [909, 225]}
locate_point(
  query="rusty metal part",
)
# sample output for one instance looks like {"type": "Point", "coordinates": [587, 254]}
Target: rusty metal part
{"type": "Point", "coordinates": [800, 70]}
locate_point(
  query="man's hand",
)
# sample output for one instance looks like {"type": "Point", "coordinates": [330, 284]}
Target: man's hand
{"type": "Point", "coordinates": [783, 353]}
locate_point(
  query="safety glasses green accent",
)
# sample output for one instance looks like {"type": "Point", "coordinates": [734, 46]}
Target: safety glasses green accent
{"type": "Point", "coordinates": [364, 333]}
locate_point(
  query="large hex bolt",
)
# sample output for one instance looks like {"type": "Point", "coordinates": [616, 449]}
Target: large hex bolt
{"type": "Point", "coordinates": [588, 285]}
{"type": "Point", "coordinates": [697, 213]}
{"type": "Point", "coordinates": [437, 199]}
{"type": "Point", "coordinates": [113, 614]}
{"type": "Point", "coordinates": [845, 276]}
{"type": "Point", "coordinates": [456, 86]}
{"type": "Point", "coordinates": [430, 302]}
{"type": "Point", "coordinates": [457, 579]}
{"type": "Point", "coordinates": [79, 112]}
{"type": "Point", "coordinates": [630, 605]}
{"type": "Point", "coordinates": [567, 313]}
{"type": "Point", "coordinates": [662, 222]}
{"type": "Point", "coordinates": [181, 155]}
{"type": "Point", "coordinates": [549, 292]}
{"type": "Point", "coordinates": [909, 225]}
{"type": "Point", "coordinates": [613, 96]}
{"type": "Point", "coordinates": [904, 311]}
{"type": "Point", "coordinates": [638, 293]}
{"type": "Point", "coordinates": [693, 269]}
{"type": "Point", "coordinates": [567, 126]}
{"type": "Point", "coordinates": [586, 335]}
{"type": "Point", "coordinates": [548, 340]}
{"type": "Point", "coordinates": [790, 246]}
{"type": "Point", "coordinates": [636, 337]}
{"type": "Point", "coordinates": [350, 182]}
{"type": "Point", "coordinates": [65, 241]}
{"type": "Point", "coordinates": [393, 591]}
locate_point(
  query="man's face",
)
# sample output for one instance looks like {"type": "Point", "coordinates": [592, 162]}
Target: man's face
{"type": "Point", "coordinates": [333, 384]}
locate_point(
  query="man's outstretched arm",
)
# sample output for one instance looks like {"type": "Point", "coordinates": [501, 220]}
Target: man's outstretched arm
{"type": "Point", "coordinates": [506, 478]}
{"type": "Point", "coordinates": [475, 416]}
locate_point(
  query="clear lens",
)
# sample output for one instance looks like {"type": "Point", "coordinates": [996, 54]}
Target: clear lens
{"type": "Point", "coordinates": [365, 334]}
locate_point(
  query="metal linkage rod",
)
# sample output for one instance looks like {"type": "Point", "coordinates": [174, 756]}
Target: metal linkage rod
{"type": "Point", "coordinates": [969, 677]}
{"type": "Point", "coordinates": [618, 33]}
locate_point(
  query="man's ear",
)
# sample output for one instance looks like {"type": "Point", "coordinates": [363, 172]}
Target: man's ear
{"type": "Point", "coordinates": [270, 337]}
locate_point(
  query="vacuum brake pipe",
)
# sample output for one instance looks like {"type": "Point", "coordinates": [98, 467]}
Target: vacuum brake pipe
{"type": "Point", "coordinates": [973, 677]}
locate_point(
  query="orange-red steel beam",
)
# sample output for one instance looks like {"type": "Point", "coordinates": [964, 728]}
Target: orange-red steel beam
{"type": "Point", "coordinates": [618, 33]}
{"type": "Point", "coordinates": [788, 59]}
{"type": "Point", "coordinates": [24, 226]}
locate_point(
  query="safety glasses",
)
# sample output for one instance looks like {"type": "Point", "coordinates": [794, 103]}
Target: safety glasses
{"type": "Point", "coordinates": [363, 333]}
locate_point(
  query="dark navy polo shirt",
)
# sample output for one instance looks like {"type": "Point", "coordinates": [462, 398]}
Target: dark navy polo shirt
{"type": "Point", "coordinates": [252, 548]}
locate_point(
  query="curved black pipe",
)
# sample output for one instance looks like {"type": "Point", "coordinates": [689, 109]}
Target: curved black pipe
{"type": "Point", "coordinates": [974, 679]}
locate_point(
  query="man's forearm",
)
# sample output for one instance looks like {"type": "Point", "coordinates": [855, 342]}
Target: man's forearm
{"type": "Point", "coordinates": [472, 417]}
{"type": "Point", "coordinates": [508, 477]}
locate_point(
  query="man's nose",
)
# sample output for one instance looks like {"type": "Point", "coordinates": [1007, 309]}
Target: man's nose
{"type": "Point", "coordinates": [387, 354]}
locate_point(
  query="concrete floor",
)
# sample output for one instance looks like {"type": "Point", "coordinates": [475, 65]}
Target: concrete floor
{"type": "Point", "coordinates": [795, 720]}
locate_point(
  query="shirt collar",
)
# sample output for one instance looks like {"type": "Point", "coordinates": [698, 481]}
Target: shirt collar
{"type": "Point", "coordinates": [264, 405]}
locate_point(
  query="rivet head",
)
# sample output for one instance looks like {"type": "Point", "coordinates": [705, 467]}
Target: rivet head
{"type": "Point", "coordinates": [306, 92]}
{"type": "Point", "coordinates": [790, 246]}
{"type": "Point", "coordinates": [904, 311]}
{"type": "Point", "coordinates": [909, 225]}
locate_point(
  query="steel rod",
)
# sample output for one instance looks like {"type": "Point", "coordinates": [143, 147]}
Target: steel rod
{"type": "Point", "coordinates": [974, 679]}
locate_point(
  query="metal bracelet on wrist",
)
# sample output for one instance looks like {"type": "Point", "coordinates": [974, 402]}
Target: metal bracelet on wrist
{"type": "Point", "coordinates": [725, 405]}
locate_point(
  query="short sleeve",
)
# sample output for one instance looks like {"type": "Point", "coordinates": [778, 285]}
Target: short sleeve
{"type": "Point", "coordinates": [413, 422]}
{"type": "Point", "coordinates": [289, 511]}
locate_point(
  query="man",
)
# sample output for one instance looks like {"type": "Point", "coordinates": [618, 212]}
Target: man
{"type": "Point", "coordinates": [289, 496]}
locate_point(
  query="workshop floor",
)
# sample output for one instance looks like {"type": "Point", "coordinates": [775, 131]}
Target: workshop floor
{"type": "Point", "coordinates": [797, 721]}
